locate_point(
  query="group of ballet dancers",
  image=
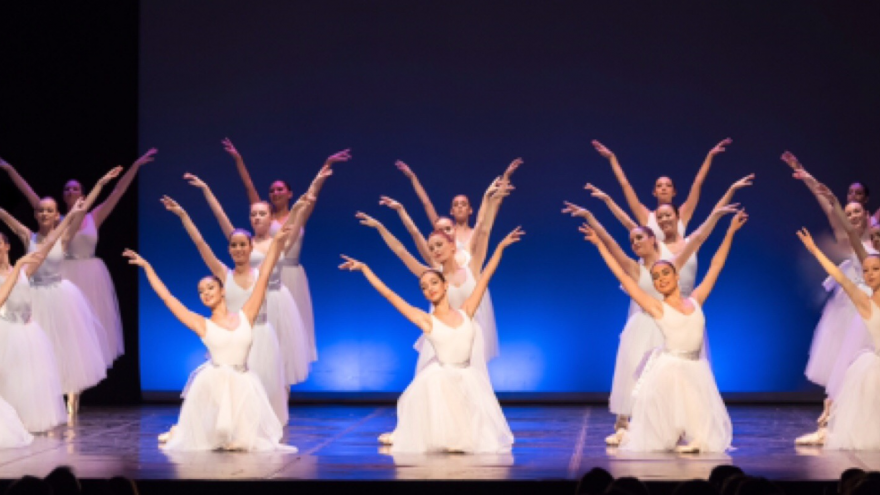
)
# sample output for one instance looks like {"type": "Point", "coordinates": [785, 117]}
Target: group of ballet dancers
{"type": "Point", "coordinates": [60, 327]}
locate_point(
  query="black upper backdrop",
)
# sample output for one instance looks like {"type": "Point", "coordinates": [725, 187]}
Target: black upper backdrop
{"type": "Point", "coordinates": [68, 105]}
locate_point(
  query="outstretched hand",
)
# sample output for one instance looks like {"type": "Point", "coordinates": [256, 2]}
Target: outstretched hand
{"type": "Point", "coordinates": [512, 237]}
{"type": "Point", "coordinates": [34, 258]}
{"type": "Point", "coordinates": [589, 234]}
{"type": "Point", "coordinates": [134, 258]}
{"type": "Point", "coordinates": [367, 220]}
{"type": "Point", "coordinates": [112, 174]}
{"type": "Point", "coordinates": [351, 264]}
{"type": "Point", "coordinates": [596, 192]}
{"type": "Point", "coordinates": [230, 148]}
{"type": "Point", "coordinates": [726, 209]}
{"type": "Point", "coordinates": [386, 201]}
{"type": "Point", "coordinates": [515, 164]}
{"type": "Point", "coordinates": [146, 157]}
{"type": "Point", "coordinates": [807, 239]}
{"type": "Point", "coordinates": [4, 165]}
{"type": "Point", "coordinates": [744, 182]}
{"type": "Point", "coordinates": [305, 200]}
{"type": "Point", "coordinates": [791, 160]}
{"type": "Point", "coordinates": [342, 156]}
{"type": "Point", "coordinates": [738, 220]}
{"type": "Point", "coordinates": [194, 181]}
{"type": "Point", "coordinates": [79, 206]}
{"type": "Point", "coordinates": [720, 147]}
{"type": "Point", "coordinates": [575, 210]}
{"type": "Point", "coordinates": [405, 169]}
{"type": "Point", "coordinates": [499, 189]}
{"type": "Point", "coordinates": [284, 233]}
{"type": "Point", "coordinates": [605, 152]}
{"type": "Point", "coordinates": [823, 191]}
{"type": "Point", "coordinates": [172, 206]}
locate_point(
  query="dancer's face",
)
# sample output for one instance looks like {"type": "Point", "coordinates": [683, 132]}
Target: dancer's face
{"type": "Point", "coordinates": [210, 292]}
{"type": "Point", "coordinates": [871, 272]}
{"type": "Point", "coordinates": [441, 248]}
{"type": "Point", "coordinates": [280, 195]}
{"type": "Point", "coordinates": [446, 226]}
{"type": "Point", "coordinates": [72, 192]}
{"type": "Point", "coordinates": [665, 278]}
{"type": "Point", "coordinates": [261, 218]}
{"type": "Point", "coordinates": [667, 219]}
{"type": "Point", "coordinates": [240, 247]}
{"type": "Point", "coordinates": [47, 214]}
{"type": "Point", "coordinates": [857, 194]}
{"type": "Point", "coordinates": [461, 208]}
{"type": "Point", "coordinates": [642, 244]}
{"type": "Point", "coordinates": [875, 237]}
{"type": "Point", "coordinates": [433, 287]}
{"type": "Point", "coordinates": [856, 215]}
{"type": "Point", "coordinates": [664, 190]}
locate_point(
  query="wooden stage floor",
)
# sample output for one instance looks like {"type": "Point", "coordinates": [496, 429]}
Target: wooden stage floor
{"type": "Point", "coordinates": [339, 443]}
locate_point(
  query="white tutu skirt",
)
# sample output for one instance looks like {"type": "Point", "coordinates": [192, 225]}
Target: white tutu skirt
{"type": "Point", "coordinates": [485, 317]}
{"type": "Point", "coordinates": [294, 278]}
{"type": "Point", "coordinates": [854, 415]}
{"type": "Point", "coordinates": [265, 360]}
{"type": "Point", "coordinates": [12, 432]}
{"type": "Point", "coordinates": [856, 341]}
{"type": "Point", "coordinates": [447, 408]}
{"type": "Point", "coordinates": [640, 336]}
{"type": "Point", "coordinates": [676, 399]}
{"type": "Point", "coordinates": [90, 275]}
{"type": "Point", "coordinates": [290, 329]}
{"type": "Point", "coordinates": [226, 409]}
{"type": "Point", "coordinates": [29, 380]}
{"type": "Point", "coordinates": [829, 336]}
{"type": "Point", "coordinates": [66, 317]}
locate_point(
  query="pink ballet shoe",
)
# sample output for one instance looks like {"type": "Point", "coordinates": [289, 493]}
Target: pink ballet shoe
{"type": "Point", "coordinates": [386, 439]}
{"type": "Point", "coordinates": [615, 439]}
{"type": "Point", "coordinates": [815, 438]}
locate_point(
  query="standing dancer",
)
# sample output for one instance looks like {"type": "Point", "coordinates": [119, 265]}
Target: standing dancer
{"type": "Point", "coordinates": [676, 399]}
{"type": "Point", "coordinates": [859, 193]}
{"type": "Point", "coordinates": [640, 335]}
{"type": "Point", "coordinates": [293, 275]}
{"type": "Point", "coordinates": [450, 405]}
{"type": "Point", "coordinates": [227, 407]}
{"type": "Point", "coordinates": [81, 266]}
{"type": "Point", "coordinates": [664, 191]}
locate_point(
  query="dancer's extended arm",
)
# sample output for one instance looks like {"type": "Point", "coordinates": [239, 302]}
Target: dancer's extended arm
{"type": "Point", "coordinates": [20, 183]}
{"type": "Point", "coordinates": [736, 186]}
{"type": "Point", "coordinates": [31, 259]}
{"type": "Point", "coordinates": [193, 321]}
{"type": "Point", "coordinates": [394, 244]}
{"type": "Point", "coordinates": [861, 300]}
{"type": "Point", "coordinates": [420, 318]}
{"type": "Point", "coordinates": [629, 265]}
{"type": "Point", "coordinates": [103, 210]}
{"type": "Point", "coordinates": [251, 307]}
{"type": "Point", "coordinates": [701, 293]}
{"type": "Point", "coordinates": [252, 194]}
{"type": "Point", "coordinates": [473, 301]}
{"type": "Point", "coordinates": [687, 209]}
{"type": "Point", "coordinates": [812, 184]}
{"type": "Point", "coordinates": [216, 208]}
{"type": "Point", "coordinates": [420, 191]}
{"type": "Point", "coordinates": [19, 229]}
{"type": "Point", "coordinates": [479, 242]}
{"type": "Point", "coordinates": [418, 238]}
{"type": "Point", "coordinates": [616, 210]}
{"type": "Point", "coordinates": [699, 236]}
{"type": "Point", "coordinates": [69, 223]}
{"type": "Point", "coordinates": [78, 216]}
{"type": "Point", "coordinates": [638, 210]}
{"type": "Point", "coordinates": [318, 183]}
{"type": "Point", "coordinates": [854, 240]}
{"type": "Point", "coordinates": [218, 269]}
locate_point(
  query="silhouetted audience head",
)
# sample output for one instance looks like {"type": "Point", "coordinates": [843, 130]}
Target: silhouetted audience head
{"type": "Point", "coordinates": [865, 486]}
{"type": "Point", "coordinates": [120, 485]}
{"type": "Point", "coordinates": [63, 481]}
{"type": "Point", "coordinates": [695, 487]}
{"type": "Point", "coordinates": [758, 486]}
{"type": "Point", "coordinates": [627, 486]}
{"type": "Point", "coordinates": [731, 484]}
{"type": "Point", "coordinates": [849, 478]}
{"type": "Point", "coordinates": [29, 485]}
{"type": "Point", "coordinates": [595, 482]}
{"type": "Point", "coordinates": [720, 474]}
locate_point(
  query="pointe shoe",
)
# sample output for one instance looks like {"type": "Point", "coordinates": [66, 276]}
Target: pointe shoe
{"type": "Point", "coordinates": [164, 437]}
{"type": "Point", "coordinates": [72, 405]}
{"type": "Point", "coordinates": [687, 449]}
{"type": "Point", "coordinates": [615, 439]}
{"type": "Point", "coordinates": [815, 438]}
{"type": "Point", "coordinates": [826, 413]}
{"type": "Point", "coordinates": [386, 439]}
{"type": "Point", "coordinates": [621, 423]}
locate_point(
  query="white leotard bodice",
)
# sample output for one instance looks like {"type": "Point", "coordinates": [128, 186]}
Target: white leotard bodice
{"type": "Point", "coordinates": [236, 296]}
{"type": "Point", "coordinates": [873, 324]}
{"type": "Point", "coordinates": [453, 345]}
{"type": "Point", "coordinates": [50, 271]}
{"type": "Point", "coordinates": [257, 258]}
{"type": "Point", "coordinates": [683, 333]}
{"type": "Point", "coordinates": [229, 347]}
{"type": "Point", "coordinates": [84, 241]}
{"type": "Point", "coordinates": [291, 257]}
{"type": "Point", "coordinates": [462, 255]}
{"type": "Point", "coordinates": [658, 233]}
{"type": "Point", "coordinates": [457, 295]}
{"type": "Point", "coordinates": [687, 275]}
{"type": "Point", "coordinates": [17, 307]}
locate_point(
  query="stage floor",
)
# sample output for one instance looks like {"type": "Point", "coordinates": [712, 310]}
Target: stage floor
{"type": "Point", "coordinates": [339, 443]}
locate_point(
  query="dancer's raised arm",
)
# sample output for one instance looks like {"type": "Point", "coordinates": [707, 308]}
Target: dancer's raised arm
{"type": "Point", "coordinates": [418, 317]}
{"type": "Point", "coordinates": [652, 306]}
{"type": "Point", "coordinates": [638, 210]}
{"type": "Point", "coordinates": [20, 183]}
{"type": "Point", "coordinates": [77, 216]}
{"type": "Point", "coordinates": [318, 183]}
{"type": "Point", "coordinates": [473, 301]}
{"type": "Point", "coordinates": [699, 236]}
{"type": "Point", "coordinates": [19, 229]}
{"type": "Point", "coordinates": [736, 186]}
{"type": "Point", "coordinates": [701, 293]}
{"type": "Point", "coordinates": [218, 269]}
{"type": "Point", "coordinates": [418, 238]}
{"type": "Point", "coordinates": [855, 240]}
{"type": "Point", "coordinates": [630, 266]}
{"type": "Point", "coordinates": [394, 244]}
{"type": "Point", "coordinates": [420, 191]}
{"type": "Point", "coordinates": [103, 210]}
{"type": "Point", "coordinates": [70, 222]}
{"type": "Point", "coordinates": [861, 300]}
{"type": "Point", "coordinates": [251, 307]}
{"type": "Point", "coordinates": [193, 321]}
{"type": "Point", "coordinates": [216, 208]}
{"type": "Point", "coordinates": [616, 210]}
{"type": "Point", "coordinates": [31, 259]}
{"type": "Point", "coordinates": [252, 194]}
{"type": "Point", "coordinates": [686, 212]}
{"type": "Point", "coordinates": [812, 184]}
{"type": "Point", "coordinates": [479, 241]}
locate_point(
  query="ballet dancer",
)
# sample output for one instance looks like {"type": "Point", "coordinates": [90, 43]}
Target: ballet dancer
{"type": "Point", "coordinates": [226, 407]}
{"type": "Point", "coordinates": [641, 334]}
{"type": "Point", "coordinates": [450, 405]}
{"type": "Point", "coordinates": [676, 403]}
{"type": "Point", "coordinates": [859, 193]}
{"type": "Point", "coordinates": [664, 191]}
{"type": "Point", "coordinates": [293, 275]}
{"type": "Point", "coordinates": [81, 267]}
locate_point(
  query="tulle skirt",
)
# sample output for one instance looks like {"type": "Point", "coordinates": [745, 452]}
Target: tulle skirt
{"type": "Point", "coordinates": [485, 317]}
{"type": "Point", "coordinates": [829, 336]}
{"type": "Point", "coordinates": [290, 329]}
{"type": "Point", "coordinates": [294, 278]}
{"type": "Point", "coordinates": [66, 317]}
{"type": "Point", "coordinates": [12, 432]}
{"type": "Point", "coordinates": [640, 336]}
{"type": "Point", "coordinates": [90, 275]}
{"type": "Point", "coordinates": [265, 360]}
{"type": "Point", "coordinates": [29, 379]}
{"type": "Point", "coordinates": [854, 421]}
{"type": "Point", "coordinates": [676, 399]}
{"type": "Point", "coordinates": [226, 409]}
{"type": "Point", "coordinates": [856, 340]}
{"type": "Point", "coordinates": [447, 408]}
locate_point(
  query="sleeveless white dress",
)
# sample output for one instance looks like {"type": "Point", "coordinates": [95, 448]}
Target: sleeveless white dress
{"type": "Point", "coordinates": [284, 316]}
{"type": "Point", "coordinates": [450, 405]}
{"type": "Point", "coordinates": [676, 398]}
{"type": "Point", "coordinates": [293, 276]}
{"type": "Point", "coordinates": [227, 407]}
{"type": "Point", "coordinates": [658, 232]}
{"type": "Point", "coordinates": [66, 317]}
{"type": "Point", "coordinates": [90, 275]}
{"type": "Point", "coordinates": [29, 379]}
{"type": "Point", "coordinates": [640, 336]}
{"type": "Point", "coordinates": [853, 424]}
